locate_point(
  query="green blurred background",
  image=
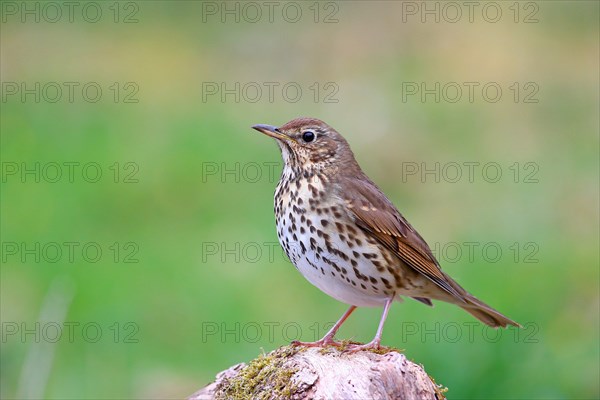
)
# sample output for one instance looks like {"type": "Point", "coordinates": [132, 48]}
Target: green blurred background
{"type": "Point", "coordinates": [186, 187]}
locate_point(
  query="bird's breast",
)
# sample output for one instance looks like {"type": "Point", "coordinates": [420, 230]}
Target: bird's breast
{"type": "Point", "coordinates": [327, 247]}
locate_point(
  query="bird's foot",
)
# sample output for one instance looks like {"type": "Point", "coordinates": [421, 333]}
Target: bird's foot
{"type": "Point", "coordinates": [375, 344]}
{"type": "Point", "coordinates": [326, 341]}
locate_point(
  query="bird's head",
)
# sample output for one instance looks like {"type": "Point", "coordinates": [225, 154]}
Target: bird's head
{"type": "Point", "coordinates": [309, 144]}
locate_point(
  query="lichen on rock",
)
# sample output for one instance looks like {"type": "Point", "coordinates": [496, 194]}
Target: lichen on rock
{"type": "Point", "coordinates": [266, 377]}
{"type": "Point", "coordinates": [296, 372]}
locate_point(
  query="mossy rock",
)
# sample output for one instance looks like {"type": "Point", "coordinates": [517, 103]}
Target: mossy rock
{"type": "Point", "coordinates": [265, 377]}
{"type": "Point", "coordinates": [296, 372]}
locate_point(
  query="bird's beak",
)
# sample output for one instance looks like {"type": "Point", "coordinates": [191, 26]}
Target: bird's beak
{"type": "Point", "coordinates": [271, 131]}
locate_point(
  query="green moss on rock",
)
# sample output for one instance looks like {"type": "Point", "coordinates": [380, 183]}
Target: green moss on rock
{"type": "Point", "coordinates": [266, 377]}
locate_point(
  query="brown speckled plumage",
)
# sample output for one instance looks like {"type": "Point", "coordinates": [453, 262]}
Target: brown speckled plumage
{"type": "Point", "coordinates": [346, 237]}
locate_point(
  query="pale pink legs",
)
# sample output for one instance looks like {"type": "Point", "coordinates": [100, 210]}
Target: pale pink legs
{"type": "Point", "coordinates": [328, 338]}
{"type": "Point", "coordinates": [376, 342]}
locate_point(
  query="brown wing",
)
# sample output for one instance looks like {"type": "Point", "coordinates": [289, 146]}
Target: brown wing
{"type": "Point", "coordinates": [374, 213]}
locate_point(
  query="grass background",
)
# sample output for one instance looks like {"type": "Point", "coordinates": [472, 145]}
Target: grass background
{"type": "Point", "coordinates": [194, 313]}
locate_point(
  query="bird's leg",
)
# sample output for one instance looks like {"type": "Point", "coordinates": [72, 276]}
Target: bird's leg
{"type": "Point", "coordinates": [328, 338]}
{"type": "Point", "coordinates": [376, 342]}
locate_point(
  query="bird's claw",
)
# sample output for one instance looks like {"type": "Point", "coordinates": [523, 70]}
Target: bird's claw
{"type": "Point", "coordinates": [373, 345]}
{"type": "Point", "coordinates": [319, 343]}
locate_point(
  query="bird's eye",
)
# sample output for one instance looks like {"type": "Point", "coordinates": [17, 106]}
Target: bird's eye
{"type": "Point", "coordinates": [308, 136]}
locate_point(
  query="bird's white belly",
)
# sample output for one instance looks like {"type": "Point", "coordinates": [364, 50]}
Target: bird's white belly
{"type": "Point", "coordinates": [323, 254]}
{"type": "Point", "coordinates": [334, 283]}
{"type": "Point", "coordinates": [338, 289]}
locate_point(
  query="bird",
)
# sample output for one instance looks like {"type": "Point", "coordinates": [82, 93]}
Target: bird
{"type": "Point", "coordinates": [347, 238]}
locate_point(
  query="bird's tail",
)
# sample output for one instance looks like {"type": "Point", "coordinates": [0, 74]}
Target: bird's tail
{"type": "Point", "coordinates": [472, 305]}
{"type": "Point", "coordinates": [485, 313]}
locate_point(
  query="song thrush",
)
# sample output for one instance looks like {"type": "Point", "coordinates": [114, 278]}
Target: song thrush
{"type": "Point", "coordinates": [344, 235]}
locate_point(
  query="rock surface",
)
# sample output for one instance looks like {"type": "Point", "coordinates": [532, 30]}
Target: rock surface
{"type": "Point", "coordinates": [315, 373]}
